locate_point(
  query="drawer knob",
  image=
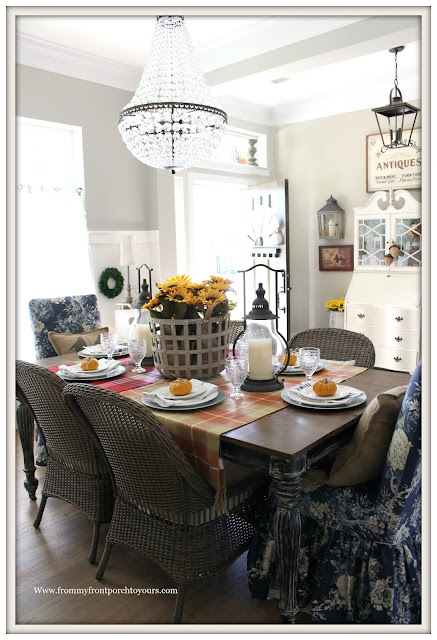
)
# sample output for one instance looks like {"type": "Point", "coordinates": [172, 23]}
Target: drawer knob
{"type": "Point", "coordinates": [397, 358]}
{"type": "Point", "coordinates": [398, 319]}
{"type": "Point", "coordinates": [398, 339]}
{"type": "Point", "coordinates": [361, 315]}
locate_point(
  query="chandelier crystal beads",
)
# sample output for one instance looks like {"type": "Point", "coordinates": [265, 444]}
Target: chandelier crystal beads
{"type": "Point", "coordinates": [173, 121]}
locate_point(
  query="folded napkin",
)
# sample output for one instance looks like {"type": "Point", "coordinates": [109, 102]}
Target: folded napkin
{"type": "Point", "coordinates": [211, 390]}
{"type": "Point", "coordinates": [75, 371]}
{"type": "Point", "coordinates": [351, 362]}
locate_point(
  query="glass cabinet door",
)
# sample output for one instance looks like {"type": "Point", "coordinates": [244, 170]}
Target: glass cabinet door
{"type": "Point", "coordinates": [408, 236]}
{"type": "Point", "coordinates": [372, 238]}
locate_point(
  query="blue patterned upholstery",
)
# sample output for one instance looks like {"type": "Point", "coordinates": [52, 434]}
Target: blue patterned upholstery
{"type": "Point", "coordinates": [72, 314]}
{"type": "Point", "coordinates": [360, 550]}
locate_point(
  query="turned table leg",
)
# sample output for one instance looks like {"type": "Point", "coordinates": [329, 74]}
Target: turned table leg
{"type": "Point", "coordinates": [287, 475]}
{"type": "Point", "coordinates": [26, 430]}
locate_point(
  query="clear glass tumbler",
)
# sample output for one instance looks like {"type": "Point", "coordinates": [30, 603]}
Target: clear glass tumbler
{"type": "Point", "coordinates": [309, 358]}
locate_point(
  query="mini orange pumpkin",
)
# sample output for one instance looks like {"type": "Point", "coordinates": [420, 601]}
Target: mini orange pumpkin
{"type": "Point", "coordinates": [89, 364]}
{"type": "Point", "coordinates": [180, 387]}
{"type": "Point", "coordinates": [290, 360]}
{"type": "Point", "coordinates": [325, 387]}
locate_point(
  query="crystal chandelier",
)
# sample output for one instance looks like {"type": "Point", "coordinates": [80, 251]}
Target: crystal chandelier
{"type": "Point", "coordinates": [173, 121]}
{"type": "Point", "coordinates": [395, 113]}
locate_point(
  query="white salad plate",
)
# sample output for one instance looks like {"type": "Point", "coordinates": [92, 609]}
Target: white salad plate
{"type": "Point", "coordinates": [296, 370]}
{"type": "Point", "coordinates": [187, 406]}
{"type": "Point", "coordinates": [96, 351]}
{"type": "Point", "coordinates": [99, 375]}
{"type": "Point", "coordinates": [308, 393]}
{"type": "Point", "coordinates": [199, 387]}
{"type": "Point", "coordinates": [298, 401]}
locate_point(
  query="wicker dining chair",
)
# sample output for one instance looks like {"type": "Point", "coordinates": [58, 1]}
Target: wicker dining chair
{"type": "Point", "coordinates": [337, 344]}
{"type": "Point", "coordinates": [163, 507]}
{"type": "Point", "coordinates": [76, 470]}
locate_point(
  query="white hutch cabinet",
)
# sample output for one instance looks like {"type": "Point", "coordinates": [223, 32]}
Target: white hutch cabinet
{"type": "Point", "coordinates": [383, 302]}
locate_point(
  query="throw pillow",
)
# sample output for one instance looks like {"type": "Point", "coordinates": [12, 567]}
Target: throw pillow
{"type": "Point", "coordinates": [363, 458]}
{"type": "Point", "coordinates": [73, 342]}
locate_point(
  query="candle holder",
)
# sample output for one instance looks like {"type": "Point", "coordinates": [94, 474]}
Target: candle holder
{"type": "Point", "coordinates": [139, 328]}
{"type": "Point", "coordinates": [260, 340]}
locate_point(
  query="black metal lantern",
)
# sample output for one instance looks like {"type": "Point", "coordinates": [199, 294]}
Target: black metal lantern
{"type": "Point", "coordinates": [261, 341]}
{"type": "Point", "coordinates": [395, 113]}
{"type": "Point", "coordinates": [139, 329]}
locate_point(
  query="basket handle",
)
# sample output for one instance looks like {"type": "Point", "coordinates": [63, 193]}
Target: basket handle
{"type": "Point", "coordinates": [209, 311]}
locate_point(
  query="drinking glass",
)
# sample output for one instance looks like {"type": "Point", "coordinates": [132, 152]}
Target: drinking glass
{"type": "Point", "coordinates": [137, 351]}
{"type": "Point", "coordinates": [309, 358]}
{"type": "Point", "coordinates": [237, 368]}
{"type": "Point", "coordinates": [109, 341]}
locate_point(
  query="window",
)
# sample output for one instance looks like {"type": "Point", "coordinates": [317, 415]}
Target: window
{"type": "Point", "coordinates": [52, 249]}
{"type": "Point", "coordinates": [217, 240]}
{"type": "Point", "coordinates": [242, 147]}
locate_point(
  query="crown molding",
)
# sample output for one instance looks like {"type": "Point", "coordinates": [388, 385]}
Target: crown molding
{"type": "Point", "coordinates": [56, 58]}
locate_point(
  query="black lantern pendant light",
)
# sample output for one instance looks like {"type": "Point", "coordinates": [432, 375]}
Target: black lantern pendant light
{"type": "Point", "coordinates": [395, 113]}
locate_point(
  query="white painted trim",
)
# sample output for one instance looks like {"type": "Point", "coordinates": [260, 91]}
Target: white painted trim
{"type": "Point", "coordinates": [113, 237]}
{"type": "Point", "coordinates": [244, 169]}
{"type": "Point", "coordinates": [56, 58]}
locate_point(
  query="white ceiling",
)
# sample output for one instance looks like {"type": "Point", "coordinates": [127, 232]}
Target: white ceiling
{"type": "Point", "coordinates": [329, 63]}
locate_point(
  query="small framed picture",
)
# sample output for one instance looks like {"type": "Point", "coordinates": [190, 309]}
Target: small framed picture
{"type": "Point", "coordinates": [336, 258]}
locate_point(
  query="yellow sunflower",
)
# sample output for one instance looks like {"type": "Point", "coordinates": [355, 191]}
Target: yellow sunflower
{"type": "Point", "coordinates": [154, 302]}
{"type": "Point", "coordinates": [210, 295]}
{"type": "Point", "coordinates": [216, 280]}
{"type": "Point", "coordinates": [194, 286]}
{"type": "Point", "coordinates": [177, 281]}
{"type": "Point", "coordinates": [180, 294]}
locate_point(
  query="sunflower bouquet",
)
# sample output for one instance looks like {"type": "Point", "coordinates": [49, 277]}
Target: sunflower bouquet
{"type": "Point", "coordinates": [178, 298]}
{"type": "Point", "coordinates": [335, 305]}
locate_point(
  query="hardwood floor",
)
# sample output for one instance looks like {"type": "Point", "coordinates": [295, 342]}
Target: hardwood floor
{"type": "Point", "coordinates": [56, 555]}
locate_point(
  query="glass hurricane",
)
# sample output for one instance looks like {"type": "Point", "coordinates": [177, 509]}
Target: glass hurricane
{"type": "Point", "coordinates": [309, 358]}
{"type": "Point", "coordinates": [109, 342]}
{"type": "Point", "coordinates": [237, 368]}
{"type": "Point", "coordinates": [137, 351]}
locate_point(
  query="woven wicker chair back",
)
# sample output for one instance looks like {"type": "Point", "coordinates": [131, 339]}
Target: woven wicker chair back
{"type": "Point", "coordinates": [41, 391]}
{"type": "Point", "coordinates": [150, 470]}
{"type": "Point", "coordinates": [337, 344]}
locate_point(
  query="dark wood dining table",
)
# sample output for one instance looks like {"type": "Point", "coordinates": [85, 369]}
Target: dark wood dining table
{"type": "Point", "coordinates": [284, 444]}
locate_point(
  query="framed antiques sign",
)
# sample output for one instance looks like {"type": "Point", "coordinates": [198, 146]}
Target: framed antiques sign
{"type": "Point", "coordinates": [394, 168]}
{"type": "Point", "coordinates": [336, 258]}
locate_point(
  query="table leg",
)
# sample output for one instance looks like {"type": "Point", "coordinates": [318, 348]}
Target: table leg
{"type": "Point", "coordinates": [287, 475]}
{"type": "Point", "coordinates": [26, 430]}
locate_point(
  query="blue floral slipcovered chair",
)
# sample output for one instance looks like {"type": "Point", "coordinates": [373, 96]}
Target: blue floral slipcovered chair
{"type": "Point", "coordinates": [360, 549]}
{"type": "Point", "coordinates": [72, 314]}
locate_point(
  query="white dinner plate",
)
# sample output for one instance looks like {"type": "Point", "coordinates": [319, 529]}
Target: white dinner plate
{"type": "Point", "coordinates": [199, 387]}
{"type": "Point", "coordinates": [121, 350]}
{"type": "Point", "coordinates": [100, 376]}
{"type": "Point", "coordinates": [297, 401]}
{"type": "Point", "coordinates": [296, 370]}
{"type": "Point", "coordinates": [221, 395]}
{"type": "Point", "coordinates": [340, 393]}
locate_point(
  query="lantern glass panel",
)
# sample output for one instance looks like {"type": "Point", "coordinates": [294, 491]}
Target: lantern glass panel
{"type": "Point", "coordinates": [330, 225]}
{"type": "Point", "coordinates": [264, 349]}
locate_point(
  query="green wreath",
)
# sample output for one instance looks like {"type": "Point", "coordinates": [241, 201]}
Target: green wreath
{"type": "Point", "coordinates": [111, 272]}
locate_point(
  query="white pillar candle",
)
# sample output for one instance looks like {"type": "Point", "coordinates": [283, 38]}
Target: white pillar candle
{"type": "Point", "coordinates": [260, 359]}
{"type": "Point", "coordinates": [143, 333]}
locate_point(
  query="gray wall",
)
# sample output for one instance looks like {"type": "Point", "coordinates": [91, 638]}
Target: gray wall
{"type": "Point", "coordinates": [119, 189]}
{"type": "Point", "coordinates": [321, 158]}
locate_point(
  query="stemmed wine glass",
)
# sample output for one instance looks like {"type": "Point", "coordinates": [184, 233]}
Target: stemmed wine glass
{"type": "Point", "coordinates": [237, 368]}
{"type": "Point", "coordinates": [309, 358]}
{"type": "Point", "coordinates": [137, 351]}
{"type": "Point", "coordinates": [109, 342]}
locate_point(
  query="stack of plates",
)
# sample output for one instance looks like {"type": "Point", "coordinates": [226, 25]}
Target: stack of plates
{"type": "Point", "coordinates": [106, 369]}
{"type": "Point", "coordinates": [304, 396]}
{"type": "Point", "coordinates": [96, 351]}
{"type": "Point", "coordinates": [296, 370]}
{"type": "Point", "coordinates": [203, 394]}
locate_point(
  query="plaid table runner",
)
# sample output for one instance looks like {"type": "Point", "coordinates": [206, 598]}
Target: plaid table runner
{"type": "Point", "coordinates": [198, 432]}
{"type": "Point", "coordinates": [127, 380]}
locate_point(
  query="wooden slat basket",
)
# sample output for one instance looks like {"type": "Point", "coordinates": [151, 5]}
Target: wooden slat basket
{"type": "Point", "coordinates": [190, 348]}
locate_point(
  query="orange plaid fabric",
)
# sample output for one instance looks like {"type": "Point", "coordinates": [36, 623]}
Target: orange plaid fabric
{"type": "Point", "coordinates": [198, 432]}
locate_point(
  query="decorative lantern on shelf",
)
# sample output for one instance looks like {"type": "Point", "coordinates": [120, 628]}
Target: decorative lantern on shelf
{"type": "Point", "coordinates": [261, 341]}
{"type": "Point", "coordinates": [140, 329]}
{"type": "Point", "coordinates": [395, 113]}
{"type": "Point", "coordinates": [331, 220]}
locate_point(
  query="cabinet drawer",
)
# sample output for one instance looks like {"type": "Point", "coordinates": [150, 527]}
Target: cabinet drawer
{"type": "Point", "coordinates": [389, 337]}
{"type": "Point", "coordinates": [396, 359]}
{"type": "Point", "coordinates": [396, 317]}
